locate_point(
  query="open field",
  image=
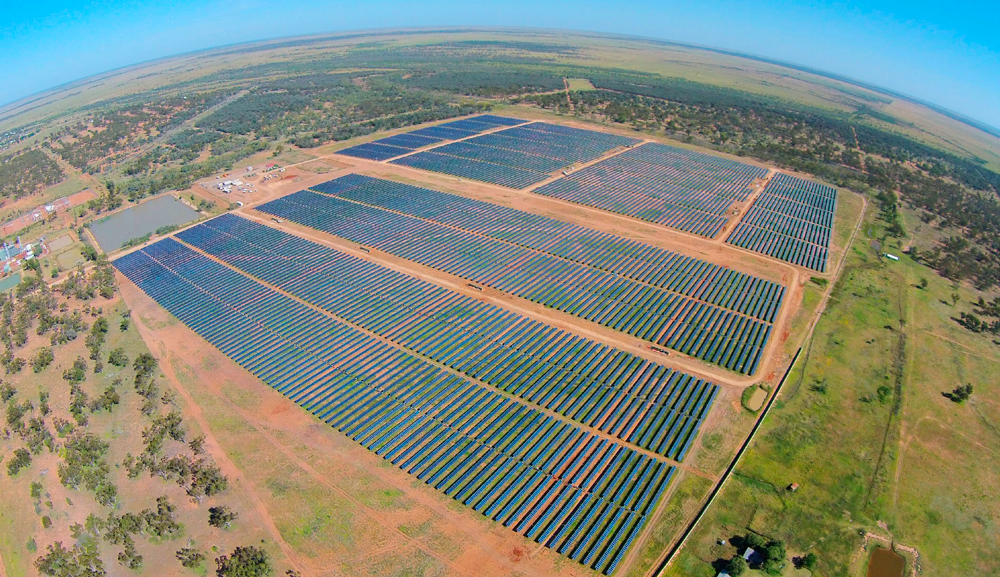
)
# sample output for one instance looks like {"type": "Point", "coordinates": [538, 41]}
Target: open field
{"type": "Point", "coordinates": [871, 435]}
{"type": "Point", "coordinates": [717, 68]}
{"type": "Point", "coordinates": [579, 84]}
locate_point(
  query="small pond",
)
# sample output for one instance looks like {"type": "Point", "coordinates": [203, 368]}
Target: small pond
{"type": "Point", "coordinates": [885, 563]}
{"type": "Point", "coordinates": [114, 231]}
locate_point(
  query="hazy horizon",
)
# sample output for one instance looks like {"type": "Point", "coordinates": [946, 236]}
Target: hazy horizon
{"type": "Point", "coordinates": [926, 53]}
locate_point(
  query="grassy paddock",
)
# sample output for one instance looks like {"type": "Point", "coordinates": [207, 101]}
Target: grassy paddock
{"type": "Point", "coordinates": [580, 84]}
{"type": "Point", "coordinates": [863, 427]}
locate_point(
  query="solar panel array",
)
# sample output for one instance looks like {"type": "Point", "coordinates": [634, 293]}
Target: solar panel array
{"type": "Point", "coordinates": [613, 391]}
{"type": "Point", "coordinates": [671, 186]}
{"type": "Point", "coordinates": [398, 144]}
{"type": "Point", "coordinates": [722, 336]}
{"type": "Point", "coordinates": [791, 221]}
{"type": "Point", "coordinates": [517, 157]}
{"type": "Point", "coordinates": [582, 495]}
{"type": "Point", "coordinates": [555, 436]}
{"type": "Point", "coordinates": [631, 259]}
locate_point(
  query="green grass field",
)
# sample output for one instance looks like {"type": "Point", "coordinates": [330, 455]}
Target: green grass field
{"type": "Point", "coordinates": [580, 84]}
{"type": "Point", "coordinates": [863, 428]}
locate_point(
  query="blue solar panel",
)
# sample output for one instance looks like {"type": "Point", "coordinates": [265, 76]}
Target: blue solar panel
{"type": "Point", "coordinates": [444, 132]}
{"type": "Point", "coordinates": [386, 148]}
{"type": "Point", "coordinates": [500, 120]}
{"type": "Point", "coordinates": [374, 151]}
{"type": "Point", "coordinates": [539, 475]}
{"type": "Point", "coordinates": [517, 157]}
{"type": "Point", "coordinates": [663, 317]}
{"type": "Point", "coordinates": [410, 140]}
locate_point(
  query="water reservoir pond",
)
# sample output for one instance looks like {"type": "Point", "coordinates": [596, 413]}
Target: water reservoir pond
{"type": "Point", "coordinates": [114, 231]}
{"type": "Point", "coordinates": [885, 563]}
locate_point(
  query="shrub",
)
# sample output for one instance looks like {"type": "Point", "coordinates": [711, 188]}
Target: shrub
{"type": "Point", "coordinates": [118, 358]}
{"type": "Point", "coordinates": [221, 517]}
{"type": "Point", "coordinates": [755, 541]}
{"type": "Point", "coordinates": [78, 372]}
{"type": "Point", "coordinates": [960, 394]}
{"type": "Point", "coordinates": [20, 460]}
{"type": "Point", "coordinates": [161, 522]}
{"type": "Point", "coordinates": [106, 494]}
{"type": "Point", "coordinates": [190, 557]}
{"type": "Point", "coordinates": [130, 557]}
{"type": "Point", "coordinates": [42, 359]}
{"type": "Point", "coordinates": [81, 560]}
{"type": "Point", "coordinates": [244, 562]}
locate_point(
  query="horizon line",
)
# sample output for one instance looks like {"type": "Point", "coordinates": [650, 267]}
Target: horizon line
{"type": "Point", "coordinates": [961, 117]}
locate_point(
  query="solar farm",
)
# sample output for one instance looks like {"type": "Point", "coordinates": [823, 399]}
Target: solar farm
{"type": "Point", "coordinates": [396, 145]}
{"type": "Point", "coordinates": [556, 376]}
{"type": "Point", "coordinates": [711, 332]}
{"type": "Point", "coordinates": [671, 186]}
{"type": "Point", "coordinates": [517, 157]}
{"type": "Point", "coordinates": [566, 488]}
{"type": "Point", "coordinates": [791, 220]}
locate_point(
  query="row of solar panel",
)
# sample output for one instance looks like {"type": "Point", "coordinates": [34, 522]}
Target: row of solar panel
{"type": "Point", "coordinates": [596, 385]}
{"type": "Point", "coordinates": [582, 495]}
{"type": "Point", "coordinates": [517, 157]}
{"type": "Point", "coordinates": [702, 330]}
{"type": "Point", "coordinates": [791, 220]}
{"type": "Point", "coordinates": [399, 144]}
{"type": "Point", "coordinates": [674, 187]}
{"type": "Point", "coordinates": [635, 260]}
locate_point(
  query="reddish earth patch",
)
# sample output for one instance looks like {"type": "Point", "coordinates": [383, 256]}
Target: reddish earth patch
{"type": "Point", "coordinates": [481, 547]}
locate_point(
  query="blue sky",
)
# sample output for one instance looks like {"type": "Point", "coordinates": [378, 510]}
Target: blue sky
{"type": "Point", "coordinates": [945, 52]}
